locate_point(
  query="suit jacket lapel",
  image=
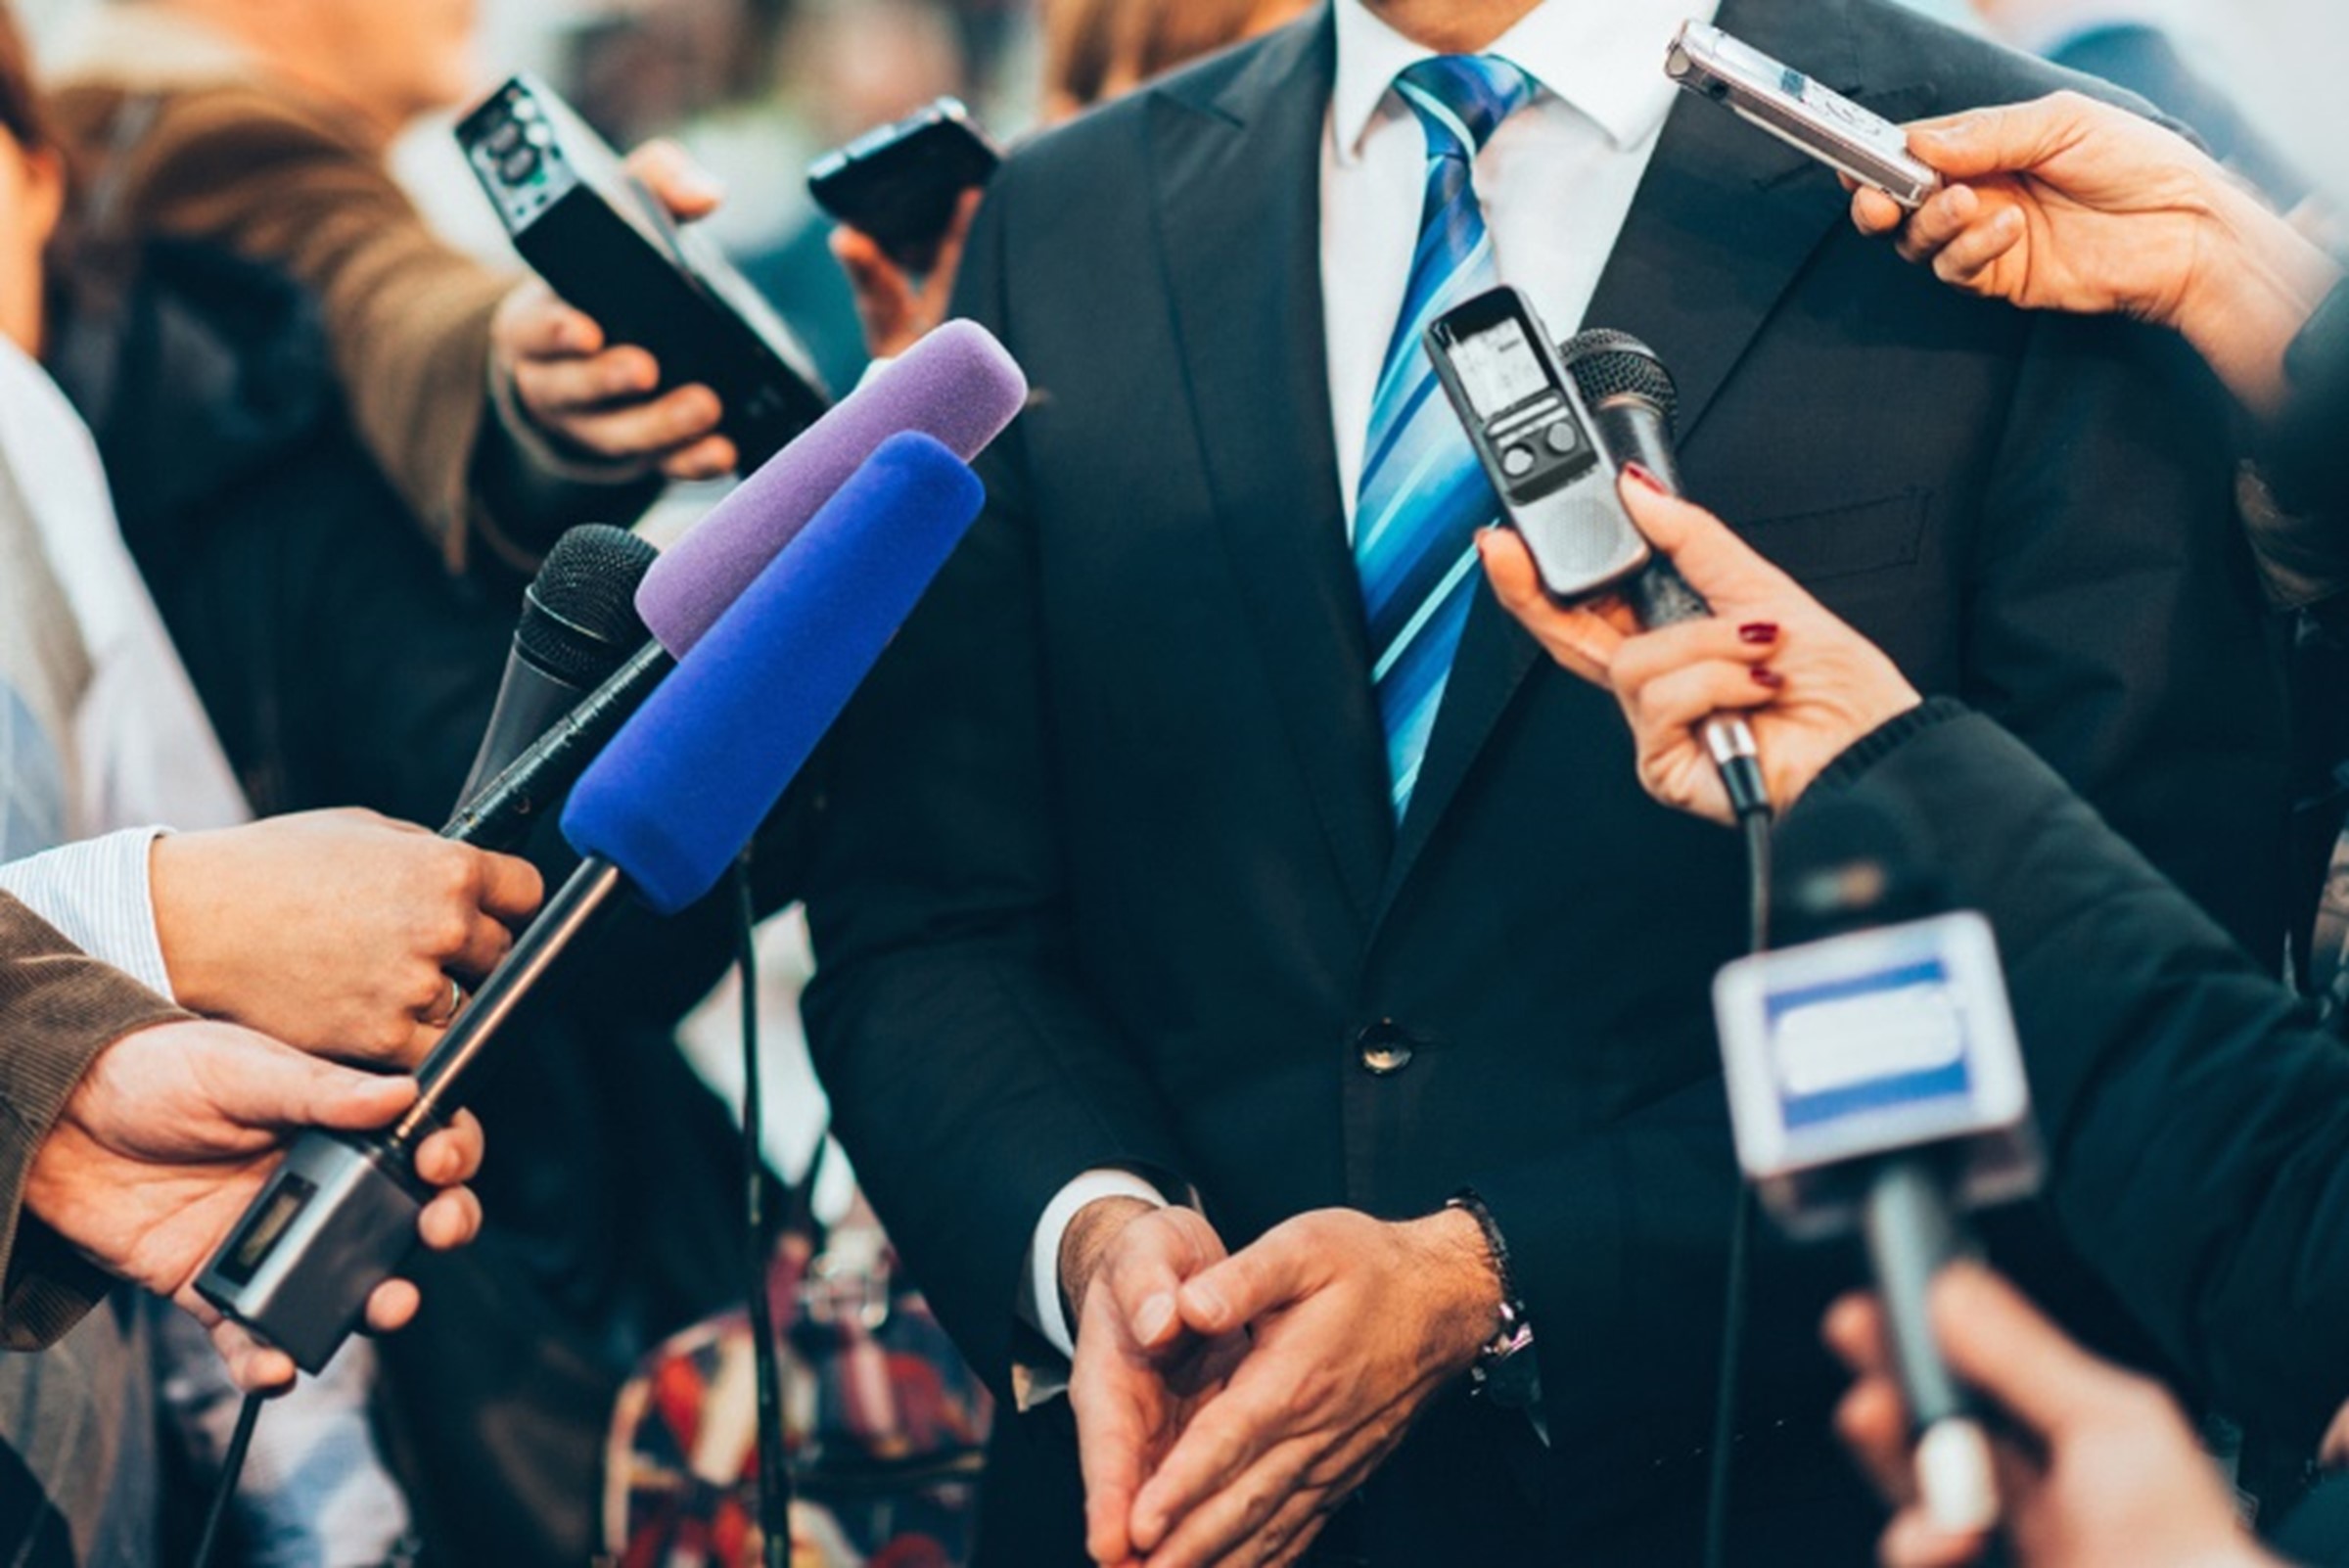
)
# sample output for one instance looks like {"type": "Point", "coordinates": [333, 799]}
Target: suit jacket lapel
{"type": "Point", "coordinates": [1238, 177]}
{"type": "Point", "coordinates": [1725, 220]}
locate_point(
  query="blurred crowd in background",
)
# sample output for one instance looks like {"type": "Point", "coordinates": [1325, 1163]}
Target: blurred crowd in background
{"type": "Point", "coordinates": [756, 89]}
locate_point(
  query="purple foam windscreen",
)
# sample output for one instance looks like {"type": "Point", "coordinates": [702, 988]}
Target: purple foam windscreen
{"type": "Point", "coordinates": [957, 386]}
{"type": "Point", "coordinates": [679, 791]}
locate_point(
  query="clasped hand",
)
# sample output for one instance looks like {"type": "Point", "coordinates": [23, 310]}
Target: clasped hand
{"type": "Point", "coordinates": [1226, 1406]}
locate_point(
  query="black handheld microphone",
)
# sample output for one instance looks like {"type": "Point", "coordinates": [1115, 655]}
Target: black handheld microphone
{"type": "Point", "coordinates": [664, 810]}
{"type": "Point", "coordinates": [578, 624]}
{"type": "Point", "coordinates": [1876, 1085]}
{"type": "Point", "coordinates": [1633, 403]}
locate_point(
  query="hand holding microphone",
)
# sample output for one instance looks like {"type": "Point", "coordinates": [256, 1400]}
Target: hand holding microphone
{"type": "Point", "coordinates": [1809, 685]}
{"type": "Point", "coordinates": [2106, 1473]}
{"type": "Point", "coordinates": [172, 1133]}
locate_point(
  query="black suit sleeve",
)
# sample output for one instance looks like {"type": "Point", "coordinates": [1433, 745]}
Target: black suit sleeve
{"type": "Point", "coordinates": [971, 1078]}
{"type": "Point", "coordinates": [2196, 1122]}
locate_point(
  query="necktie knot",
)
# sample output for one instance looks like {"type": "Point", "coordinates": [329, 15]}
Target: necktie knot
{"type": "Point", "coordinates": [1462, 99]}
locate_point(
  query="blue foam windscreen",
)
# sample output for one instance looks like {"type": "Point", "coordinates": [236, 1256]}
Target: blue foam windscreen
{"type": "Point", "coordinates": [681, 789]}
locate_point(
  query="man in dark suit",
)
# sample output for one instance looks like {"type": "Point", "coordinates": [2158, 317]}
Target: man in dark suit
{"type": "Point", "coordinates": [1211, 839]}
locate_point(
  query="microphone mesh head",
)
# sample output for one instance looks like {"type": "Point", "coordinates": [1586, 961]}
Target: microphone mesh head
{"type": "Point", "coordinates": [1607, 365]}
{"type": "Point", "coordinates": [578, 617]}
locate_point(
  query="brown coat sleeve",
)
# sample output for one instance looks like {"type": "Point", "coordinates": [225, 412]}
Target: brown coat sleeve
{"type": "Point", "coordinates": [58, 1008]}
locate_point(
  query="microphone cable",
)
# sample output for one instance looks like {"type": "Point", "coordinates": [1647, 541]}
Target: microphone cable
{"type": "Point", "coordinates": [1754, 820]}
{"type": "Point", "coordinates": [766, 1362]}
{"type": "Point", "coordinates": [232, 1470]}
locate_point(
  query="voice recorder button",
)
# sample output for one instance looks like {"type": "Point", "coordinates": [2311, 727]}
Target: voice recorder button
{"type": "Point", "coordinates": [1562, 439]}
{"type": "Point", "coordinates": [1517, 462]}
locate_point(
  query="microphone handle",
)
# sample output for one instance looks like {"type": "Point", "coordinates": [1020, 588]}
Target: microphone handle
{"type": "Point", "coordinates": [1912, 1233]}
{"type": "Point", "coordinates": [559, 924]}
{"type": "Point", "coordinates": [1633, 430]}
{"type": "Point", "coordinates": [502, 813]}
{"type": "Point", "coordinates": [338, 1217]}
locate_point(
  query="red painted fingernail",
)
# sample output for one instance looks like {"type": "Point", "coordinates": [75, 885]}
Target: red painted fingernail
{"type": "Point", "coordinates": [1641, 477]}
{"type": "Point", "coordinates": [1757, 633]}
{"type": "Point", "coordinates": [1769, 678]}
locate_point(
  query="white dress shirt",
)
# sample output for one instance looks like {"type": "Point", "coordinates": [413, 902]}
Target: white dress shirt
{"type": "Point", "coordinates": [1557, 182]}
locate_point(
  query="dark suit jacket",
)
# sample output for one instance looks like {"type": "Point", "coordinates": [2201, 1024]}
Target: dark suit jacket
{"type": "Point", "coordinates": [1107, 876]}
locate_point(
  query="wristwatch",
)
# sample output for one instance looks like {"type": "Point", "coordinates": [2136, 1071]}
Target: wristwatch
{"type": "Point", "coordinates": [1505, 1371]}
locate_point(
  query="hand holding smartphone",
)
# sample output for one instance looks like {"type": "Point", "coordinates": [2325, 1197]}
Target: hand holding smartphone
{"type": "Point", "coordinates": [903, 184]}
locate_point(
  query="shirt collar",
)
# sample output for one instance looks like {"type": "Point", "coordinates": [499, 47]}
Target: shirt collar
{"type": "Point", "coordinates": [1603, 58]}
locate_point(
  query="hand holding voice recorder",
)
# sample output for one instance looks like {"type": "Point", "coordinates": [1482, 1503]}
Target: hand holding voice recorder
{"type": "Point", "coordinates": [603, 243]}
{"type": "Point", "coordinates": [901, 183]}
{"type": "Point", "coordinates": [1800, 112]}
{"type": "Point", "coordinates": [1537, 441]}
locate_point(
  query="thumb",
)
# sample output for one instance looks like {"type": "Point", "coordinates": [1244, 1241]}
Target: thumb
{"type": "Point", "coordinates": [681, 185]}
{"type": "Point", "coordinates": [2012, 139]}
{"type": "Point", "coordinates": [275, 1086]}
{"type": "Point", "coordinates": [2003, 1345]}
{"type": "Point", "coordinates": [1716, 562]}
{"type": "Point", "coordinates": [1247, 1285]}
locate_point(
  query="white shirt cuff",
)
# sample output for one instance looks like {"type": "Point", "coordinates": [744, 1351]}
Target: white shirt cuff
{"type": "Point", "coordinates": [1039, 1282]}
{"type": "Point", "coordinates": [98, 895]}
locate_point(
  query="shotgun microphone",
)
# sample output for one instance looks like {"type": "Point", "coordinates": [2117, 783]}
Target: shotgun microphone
{"type": "Point", "coordinates": [957, 386]}
{"type": "Point", "coordinates": [664, 810]}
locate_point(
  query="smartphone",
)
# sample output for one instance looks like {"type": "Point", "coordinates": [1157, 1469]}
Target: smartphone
{"type": "Point", "coordinates": [901, 184]}
{"type": "Point", "coordinates": [1500, 368]}
{"type": "Point", "coordinates": [1800, 112]}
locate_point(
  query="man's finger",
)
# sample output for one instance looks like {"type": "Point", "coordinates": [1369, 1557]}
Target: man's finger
{"type": "Point", "coordinates": [1941, 220]}
{"type": "Point", "coordinates": [392, 1305]}
{"type": "Point", "coordinates": [1873, 1425]}
{"type": "Point", "coordinates": [672, 421]}
{"type": "Point", "coordinates": [1855, 1331]}
{"type": "Point", "coordinates": [1108, 1398]}
{"type": "Point", "coordinates": [1876, 213]}
{"type": "Point", "coordinates": [2004, 140]}
{"type": "Point", "coordinates": [554, 388]}
{"type": "Point", "coordinates": [713, 457]}
{"type": "Point", "coordinates": [1578, 638]}
{"type": "Point", "coordinates": [2003, 1345]}
{"type": "Point", "coordinates": [1914, 1541]}
{"type": "Point", "coordinates": [452, 1219]}
{"type": "Point", "coordinates": [486, 943]}
{"type": "Point", "coordinates": [453, 1155]}
{"type": "Point", "coordinates": [681, 184]}
{"type": "Point", "coordinates": [1980, 248]}
{"type": "Point", "coordinates": [512, 888]}
{"type": "Point", "coordinates": [274, 1086]}
{"type": "Point", "coordinates": [539, 325]}
{"type": "Point", "coordinates": [1205, 1524]}
{"type": "Point", "coordinates": [1281, 1267]}
{"type": "Point", "coordinates": [1230, 1436]}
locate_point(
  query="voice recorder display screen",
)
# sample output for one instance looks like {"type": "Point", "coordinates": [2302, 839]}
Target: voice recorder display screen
{"type": "Point", "coordinates": [1498, 368]}
{"type": "Point", "coordinates": [1870, 1045]}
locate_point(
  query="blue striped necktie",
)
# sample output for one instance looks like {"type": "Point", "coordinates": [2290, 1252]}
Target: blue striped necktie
{"type": "Point", "coordinates": [1423, 497]}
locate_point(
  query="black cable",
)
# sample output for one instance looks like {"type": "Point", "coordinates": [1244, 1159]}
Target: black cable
{"type": "Point", "coordinates": [775, 1467]}
{"type": "Point", "coordinates": [232, 1468]}
{"type": "Point", "coordinates": [1756, 827]}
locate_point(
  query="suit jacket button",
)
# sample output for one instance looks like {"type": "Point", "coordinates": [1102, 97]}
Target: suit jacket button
{"type": "Point", "coordinates": [1385, 1048]}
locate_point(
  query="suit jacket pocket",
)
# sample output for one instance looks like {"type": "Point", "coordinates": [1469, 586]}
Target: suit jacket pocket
{"type": "Point", "coordinates": [1844, 541]}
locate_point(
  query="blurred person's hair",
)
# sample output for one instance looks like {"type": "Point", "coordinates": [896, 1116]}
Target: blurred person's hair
{"type": "Point", "coordinates": [1159, 35]}
{"type": "Point", "coordinates": [20, 98]}
{"type": "Point", "coordinates": [1097, 49]}
{"type": "Point", "coordinates": [1083, 41]}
